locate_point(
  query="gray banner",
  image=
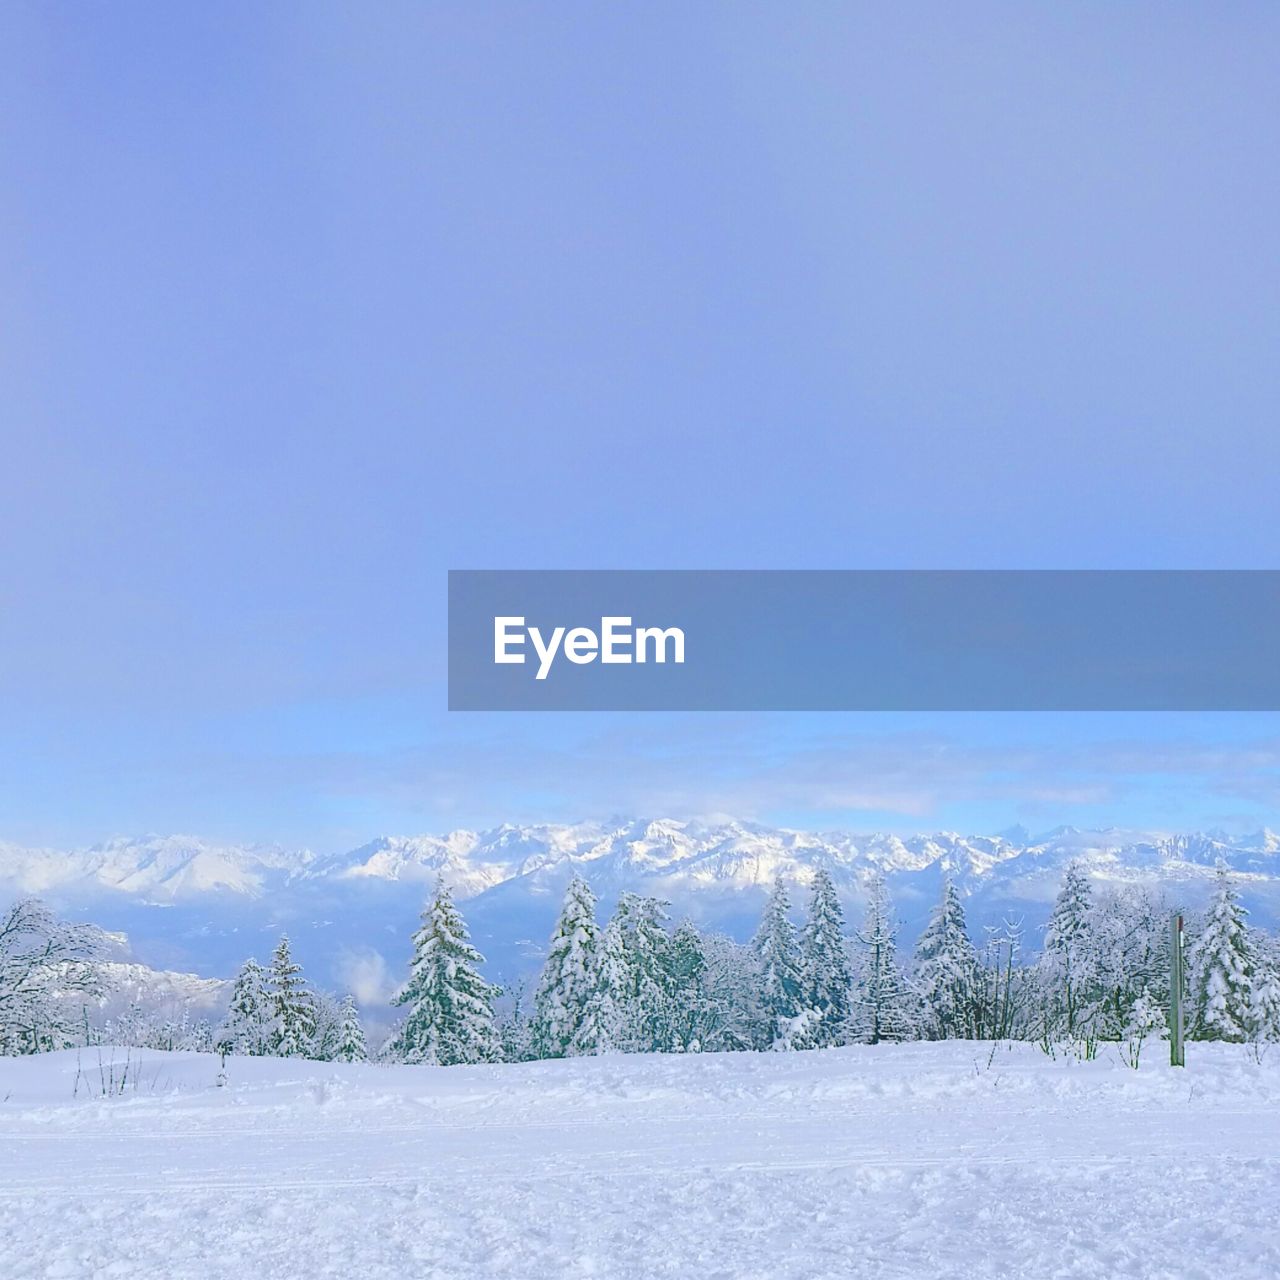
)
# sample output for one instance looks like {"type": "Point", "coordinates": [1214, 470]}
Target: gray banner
{"type": "Point", "coordinates": [863, 640]}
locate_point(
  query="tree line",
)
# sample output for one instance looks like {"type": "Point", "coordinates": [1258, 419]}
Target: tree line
{"type": "Point", "coordinates": [636, 984]}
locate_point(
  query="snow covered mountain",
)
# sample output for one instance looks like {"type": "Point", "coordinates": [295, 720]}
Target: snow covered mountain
{"type": "Point", "coordinates": [657, 855]}
{"type": "Point", "coordinates": [130, 985]}
{"type": "Point", "coordinates": [157, 868]}
{"type": "Point", "coordinates": [192, 903]}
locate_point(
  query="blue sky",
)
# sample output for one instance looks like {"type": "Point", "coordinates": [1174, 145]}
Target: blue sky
{"type": "Point", "coordinates": [303, 305]}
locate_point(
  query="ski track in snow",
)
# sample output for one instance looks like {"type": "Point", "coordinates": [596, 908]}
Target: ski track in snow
{"type": "Point", "coordinates": [894, 1161]}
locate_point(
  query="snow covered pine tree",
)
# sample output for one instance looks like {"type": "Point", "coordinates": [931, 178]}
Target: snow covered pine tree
{"type": "Point", "coordinates": [1066, 963]}
{"type": "Point", "coordinates": [694, 1020]}
{"type": "Point", "coordinates": [1221, 968]}
{"type": "Point", "coordinates": [450, 1006]}
{"type": "Point", "coordinates": [246, 1029]}
{"type": "Point", "coordinates": [827, 979]}
{"type": "Point", "coordinates": [351, 1042]}
{"type": "Point", "coordinates": [637, 974]}
{"type": "Point", "coordinates": [883, 1006]}
{"type": "Point", "coordinates": [293, 1014]}
{"type": "Point", "coordinates": [781, 980]}
{"type": "Point", "coordinates": [573, 1011]}
{"type": "Point", "coordinates": [945, 970]}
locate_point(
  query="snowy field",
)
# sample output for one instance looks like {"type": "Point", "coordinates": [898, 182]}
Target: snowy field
{"type": "Point", "coordinates": [915, 1160]}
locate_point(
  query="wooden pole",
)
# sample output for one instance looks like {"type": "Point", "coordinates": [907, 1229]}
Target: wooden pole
{"type": "Point", "coordinates": [1177, 1049]}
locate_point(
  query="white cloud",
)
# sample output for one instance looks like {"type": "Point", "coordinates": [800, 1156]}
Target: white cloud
{"type": "Point", "coordinates": [363, 972]}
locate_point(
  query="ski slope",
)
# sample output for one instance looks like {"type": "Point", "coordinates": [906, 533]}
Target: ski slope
{"type": "Point", "coordinates": [919, 1160]}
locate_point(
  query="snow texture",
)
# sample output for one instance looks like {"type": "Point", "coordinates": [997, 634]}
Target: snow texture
{"type": "Point", "coordinates": [942, 1159]}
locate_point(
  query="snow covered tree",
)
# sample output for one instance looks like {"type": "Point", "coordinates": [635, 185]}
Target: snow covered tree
{"type": "Point", "coordinates": [44, 962]}
{"type": "Point", "coordinates": [247, 1027]}
{"type": "Point", "coordinates": [884, 1008]}
{"type": "Point", "coordinates": [1066, 963]}
{"type": "Point", "coordinates": [1004, 990]}
{"type": "Point", "coordinates": [293, 1010]}
{"type": "Point", "coordinates": [781, 979]}
{"type": "Point", "coordinates": [450, 1006]}
{"type": "Point", "coordinates": [828, 982]}
{"type": "Point", "coordinates": [574, 1012]}
{"type": "Point", "coordinates": [732, 1018]}
{"type": "Point", "coordinates": [351, 1045]}
{"type": "Point", "coordinates": [1264, 1006]}
{"type": "Point", "coordinates": [1146, 1020]}
{"type": "Point", "coordinates": [636, 973]}
{"type": "Point", "coordinates": [196, 1036]}
{"type": "Point", "coordinates": [945, 970]}
{"type": "Point", "coordinates": [515, 1032]}
{"type": "Point", "coordinates": [1221, 968]}
{"type": "Point", "coordinates": [695, 1020]}
{"type": "Point", "coordinates": [1128, 953]}
{"type": "Point", "coordinates": [326, 1039]}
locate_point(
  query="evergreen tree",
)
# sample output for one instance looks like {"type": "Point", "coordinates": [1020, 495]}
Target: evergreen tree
{"type": "Point", "coordinates": [1222, 968]}
{"type": "Point", "coordinates": [351, 1045]}
{"type": "Point", "coordinates": [883, 1007]}
{"type": "Point", "coordinates": [293, 1010]}
{"type": "Point", "coordinates": [1066, 963]}
{"type": "Point", "coordinates": [574, 1012]}
{"type": "Point", "coordinates": [450, 1006]}
{"type": "Point", "coordinates": [636, 974]}
{"type": "Point", "coordinates": [828, 982]}
{"type": "Point", "coordinates": [693, 1020]}
{"type": "Point", "coordinates": [247, 1027]}
{"type": "Point", "coordinates": [1264, 1006]}
{"type": "Point", "coordinates": [945, 970]}
{"type": "Point", "coordinates": [781, 981]}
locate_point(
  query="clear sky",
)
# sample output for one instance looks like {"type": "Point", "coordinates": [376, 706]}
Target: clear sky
{"type": "Point", "coordinates": [303, 304]}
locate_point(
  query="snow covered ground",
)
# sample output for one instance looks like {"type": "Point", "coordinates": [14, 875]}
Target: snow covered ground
{"type": "Point", "coordinates": [916, 1160]}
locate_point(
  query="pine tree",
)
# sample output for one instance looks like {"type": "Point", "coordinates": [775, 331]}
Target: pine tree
{"type": "Point", "coordinates": [781, 985]}
{"type": "Point", "coordinates": [693, 1019]}
{"type": "Point", "coordinates": [636, 974]}
{"type": "Point", "coordinates": [247, 1027]}
{"type": "Point", "coordinates": [450, 1006]}
{"type": "Point", "coordinates": [1222, 968]}
{"type": "Point", "coordinates": [1066, 963]}
{"type": "Point", "coordinates": [351, 1043]}
{"type": "Point", "coordinates": [1264, 1005]}
{"type": "Point", "coordinates": [828, 982]}
{"type": "Point", "coordinates": [883, 1007]}
{"type": "Point", "coordinates": [945, 970]}
{"type": "Point", "coordinates": [293, 1009]}
{"type": "Point", "coordinates": [574, 1014]}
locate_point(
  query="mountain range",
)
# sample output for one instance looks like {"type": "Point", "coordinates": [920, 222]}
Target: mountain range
{"type": "Point", "coordinates": [188, 903]}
